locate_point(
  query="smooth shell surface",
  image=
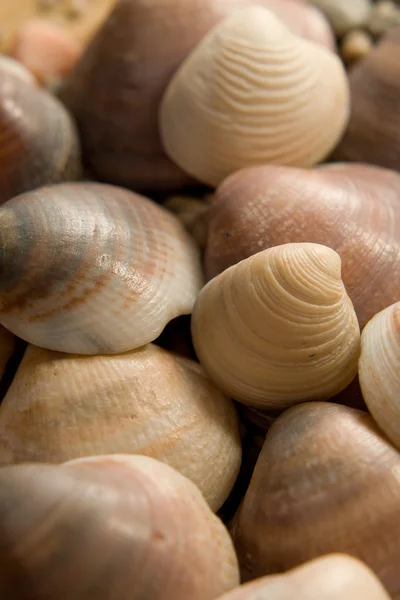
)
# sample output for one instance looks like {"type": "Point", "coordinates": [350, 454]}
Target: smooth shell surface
{"type": "Point", "coordinates": [148, 401]}
{"type": "Point", "coordinates": [252, 93]}
{"type": "Point", "coordinates": [354, 209]}
{"type": "Point", "coordinates": [331, 577]}
{"type": "Point", "coordinates": [38, 138]}
{"type": "Point", "coordinates": [115, 91]}
{"type": "Point", "coordinates": [278, 328]}
{"type": "Point", "coordinates": [88, 268]}
{"type": "Point", "coordinates": [117, 527]}
{"type": "Point", "coordinates": [379, 370]}
{"type": "Point", "coordinates": [326, 481]}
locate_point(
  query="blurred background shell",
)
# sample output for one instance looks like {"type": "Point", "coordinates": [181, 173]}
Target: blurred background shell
{"type": "Point", "coordinates": [148, 401]}
{"type": "Point", "coordinates": [112, 527]}
{"type": "Point", "coordinates": [345, 15]}
{"type": "Point", "coordinates": [89, 268]}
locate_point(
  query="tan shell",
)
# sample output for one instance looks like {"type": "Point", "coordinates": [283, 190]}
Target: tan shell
{"type": "Point", "coordinates": [39, 140]}
{"type": "Point", "coordinates": [7, 347]}
{"type": "Point", "coordinates": [253, 93]}
{"type": "Point", "coordinates": [278, 328]}
{"type": "Point", "coordinates": [116, 527]}
{"type": "Point", "coordinates": [345, 15]}
{"type": "Point", "coordinates": [326, 481]}
{"type": "Point", "coordinates": [93, 269]}
{"type": "Point", "coordinates": [379, 370]}
{"type": "Point", "coordinates": [149, 401]}
{"type": "Point", "coordinates": [331, 577]}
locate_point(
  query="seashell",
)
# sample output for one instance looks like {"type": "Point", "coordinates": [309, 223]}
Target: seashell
{"type": "Point", "coordinates": [12, 66]}
{"type": "Point", "coordinates": [373, 133]}
{"type": "Point", "coordinates": [384, 15]}
{"type": "Point", "coordinates": [253, 93]}
{"type": "Point", "coordinates": [93, 269]}
{"type": "Point", "coordinates": [38, 136]}
{"type": "Point", "coordinates": [278, 328]}
{"type": "Point", "coordinates": [379, 370]}
{"type": "Point", "coordinates": [7, 347]}
{"type": "Point", "coordinates": [331, 577]}
{"type": "Point", "coordinates": [326, 481]}
{"type": "Point", "coordinates": [115, 90]}
{"type": "Point", "coordinates": [354, 209]}
{"type": "Point", "coordinates": [193, 213]}
{"type": "Point", "coordinates": [355, 45]}
{"type": "Point", "coordinates": [148, 401]}
{"type": "Point", "coordinates": [111, 527]}
{"type": "Point", "coordinates": [345, 15]}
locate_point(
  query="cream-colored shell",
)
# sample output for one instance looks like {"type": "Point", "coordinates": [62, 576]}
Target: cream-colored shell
{"type": "Point", "coordinates": [252, 93]}
{"type": "Point", "coordinates": [149, 402]}
{"type": "Point", "coordinates": [278, 328]}
{"type": "Point", "coordinates": [379, 370]}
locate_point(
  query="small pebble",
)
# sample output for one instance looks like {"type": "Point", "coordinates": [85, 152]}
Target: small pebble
{"type": "Point", "coordinates": [384, 16]}
{"type": "Point", "coordinates": [355, 45]}
{"type": "Point", "coordinates": [46, 49]}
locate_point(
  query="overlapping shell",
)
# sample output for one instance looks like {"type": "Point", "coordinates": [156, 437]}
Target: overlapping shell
{"type": "Point", "coordinates": [148, 401]}
{"type": "Point", "coordinates": [278, 328]}
{"type": "Point", "coordinates": [115, 527]}
{"type": "Point", "coordinates": [252, 93]}
{"type": "Point", "coordinates": [39, 141]}
{"type": "Point", "coordinates": [326, 481]}
{"type": "Point", "coordinates": [352, 208]}
{"type": "Point", "coordinates": [379, 370]}
{"type": "Point", "coordinates": [88, 268]}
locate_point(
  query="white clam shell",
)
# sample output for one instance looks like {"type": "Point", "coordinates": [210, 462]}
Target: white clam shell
{"type": "Point", "coordinates": [278, 328]}
{"type": "Point", "coordinates": [252, 93]}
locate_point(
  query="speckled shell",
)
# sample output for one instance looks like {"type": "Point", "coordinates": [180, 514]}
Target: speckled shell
{"type": "Point", "coordinates": [115, 91]}
{"type": "Point", "coordinates": [251, 93]}
{"type": "Point", "coordinates": [88, 268]}
{"type": "Point", "coordinates": [354, 209]}
{"type": "Point", "coordinates": [331, 577]}
{"type": "Point", "coordinates": [373, 133]}
{"type": "Point", "coordinates": [326, 481]}
{"type": "Point", "coordinates": [38, 137]}
{"type": "Point", "coordinates": [379, 370]}
{"type": "Point", "coordinates": [115, 527]}
{"type": "Point", "coordinates": [148, 401]}
{"type": "Point", "coordinates": [278, 328]}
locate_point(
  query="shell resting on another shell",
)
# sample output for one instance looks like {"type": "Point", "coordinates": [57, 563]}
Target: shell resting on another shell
{"type": "Point", "coordinates": [93, 269]}
{"type": "Point", "coordinates": [278, 328]}
{"type": "Point", "coordinates": [253, 93]}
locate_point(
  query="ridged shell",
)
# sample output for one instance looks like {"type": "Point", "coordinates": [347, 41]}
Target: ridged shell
{"type": "Point", "coordinates": [115, 91]}
{"type": "Point", "coordinates": [251, 93]}
{"type": "Point", "coordinates": [38, 138]}
{"type": "Point", "coordinates": [278, 328]}
{"type": "Point", "coordinates": [331, 577]}
{"type": "Point", "coordinates": [148, 401]}
{"type": "Point", "coordinates": [116, 527]}
{"type": "Point", "coordinates": [354, 209]}
{"type": "Point", "coordinates": [326, 481]}
{"type": "Point", "coordinates": [88, 268]}
{"type": "Point", "coordinates": [379, 370]}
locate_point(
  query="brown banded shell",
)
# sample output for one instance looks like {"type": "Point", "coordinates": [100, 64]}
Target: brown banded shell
{"type": "Point", "coordinates": [111, 527]}
{"type": "Point", "coordinates": [278, 328]}
{"type": "Point", "coordinates": [331, 577]}
{"type": "Point", "coordinates": [379, 370]}
{"type": "Point", "coordinates": [326, 481]}
{"type": "Point", "coordinates": [354, 209]}
{"type": "Point", "coordinates": [38, 138]}
{"type": "Point", "coordinates": [251, 93]}
{"type": "Point", "coordinates": [115, 91]}
{"type": "Point", "coordinates": [148, 401]}
{"type": "Point", "coordinates": [89, 268]}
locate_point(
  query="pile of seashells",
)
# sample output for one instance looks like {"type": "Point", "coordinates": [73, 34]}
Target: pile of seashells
{"type": "Point", "coordinates": [200, 310]}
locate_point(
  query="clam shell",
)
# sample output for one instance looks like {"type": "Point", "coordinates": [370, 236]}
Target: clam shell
{"type": "Point", "coordinates": [278, 328]}
{"type": "Point", "coordinates": [88, 268]}
{"type": "Point", "coordinates": [326, 481]}
{"type": "Point", "coordinates": [379, 370]}
{"type": "Point", "coordinates": [251, 93]}
{"type": "Point", "coordinates": [354, 209]}
{"type": "Point", "coordinates": [148, 401]}
{"type": "Point", "coordinates": [115, 527]}
{"type": "Point", "coordinates": [39, 140]}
